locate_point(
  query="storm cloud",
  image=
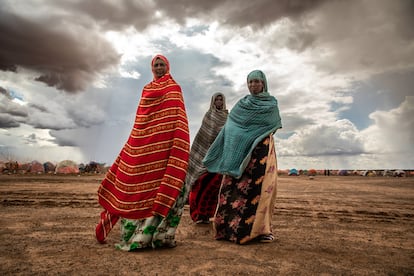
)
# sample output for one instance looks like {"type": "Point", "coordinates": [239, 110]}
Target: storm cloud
{"type": "Point", "coordinates": [63, 55]}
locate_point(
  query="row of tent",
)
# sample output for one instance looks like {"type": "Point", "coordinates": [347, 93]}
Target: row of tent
{"type": "Point", "coordinates": [71, 167]}
{"type": "Point", "coordinates": [313, 172]}
{"type": "Point", "coordinates": [62, 167]}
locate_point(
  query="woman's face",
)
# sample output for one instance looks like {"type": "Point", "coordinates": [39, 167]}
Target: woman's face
{"type": "Point", "coordinates": [159, 68]}
{"type": "Point", "coordinates": [218, 102]}
{"type": "Point", "coordinates": [255, 86]}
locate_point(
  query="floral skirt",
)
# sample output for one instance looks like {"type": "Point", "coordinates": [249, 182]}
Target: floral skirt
{"type": "Point", "coordinates": [245, 206]}
{"type": "Point", "coordinates": [153, 232]}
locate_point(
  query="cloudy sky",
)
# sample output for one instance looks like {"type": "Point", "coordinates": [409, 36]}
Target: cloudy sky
{"type": "Point", "coordinates": [72, 71]}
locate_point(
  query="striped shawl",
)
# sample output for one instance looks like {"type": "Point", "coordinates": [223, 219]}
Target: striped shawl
{"type": "Point", "coordinates": [148, 174]}
{"type": "Point", "coordinates": [211, 125]}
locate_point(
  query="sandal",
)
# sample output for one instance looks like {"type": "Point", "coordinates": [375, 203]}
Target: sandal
{"type": "Point", "coordinates": [267, 238]}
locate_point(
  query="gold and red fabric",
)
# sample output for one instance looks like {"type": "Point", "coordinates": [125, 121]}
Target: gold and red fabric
{"type": "Point", "coordinates": [149, 172]}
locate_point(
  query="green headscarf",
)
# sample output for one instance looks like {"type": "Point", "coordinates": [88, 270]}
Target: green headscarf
{"type": "Point", "coordinates": [252, 119]}
{"type": "Point", "coordinates": [259, 75]}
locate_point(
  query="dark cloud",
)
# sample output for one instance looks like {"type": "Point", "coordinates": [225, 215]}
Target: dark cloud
{"type": "Point", "coordinates": [38, 107]}
{"type": "Point", "coordinates": [46, 124]}
{"type": "Point", "coordinates": [404, 17]}
{"type": "Point", "coordinates": [300, 40]}
{"type": "Point", "coordinates": [7, 106]}
{"type": "Point", "coordinates": [31, 139]}
{"type": "Point", "coordinates": [294, 121]}
{"type": "Point", "coordinates": [364, 36]}
{"type": "Point", "coordinates": [122, 14]}
{"type": "Point", "coordinates": [66, 57]}
{"type": "Point", "coordinates": [4, 66]}
{"type": "Point", "coordinates": [240, 13]}
{"type": "Point", "coordinates": [7, 121]}
{"type": "Point", "coordinates": [66, 51]}
{"type": "Point", "coordinates": [115, 15]}
{"type": "Point", "coordinates": [263, 12]}
{"type": "Point", "coordinates": [62, 140]}
{"type": "Point", "coordinates": [5, 93]}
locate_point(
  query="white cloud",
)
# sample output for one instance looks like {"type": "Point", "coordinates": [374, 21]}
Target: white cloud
{"type": "Point", "coordinates": [393, 130]}
{"type": "Point", "coordinates": [338, 138]}
{"type": "Point", "coordinates": [130, 74]}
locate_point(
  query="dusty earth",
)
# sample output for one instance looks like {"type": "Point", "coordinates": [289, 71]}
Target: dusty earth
{"type": "Point", "coordinates": [328, 225]}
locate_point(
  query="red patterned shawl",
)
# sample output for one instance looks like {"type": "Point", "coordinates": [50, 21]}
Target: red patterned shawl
{"type": "Point", "coordinates": [149, 173]}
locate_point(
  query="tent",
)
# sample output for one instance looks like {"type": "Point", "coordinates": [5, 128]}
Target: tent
{"type": "Point", "coordinates": [23, 168]}
{"type": "Point", "coordinates": [399, 173]}
{"type": "Point", "coordinates": [343, 172]}
{"type": "Point", "coordinates": [67, 167]}
{"type": "Point", "coordinates": [49, 167]}
{"type": "Point", "coordinates": [81, 167]}
{"type": "Point", "coordinates": [94, 167]}
{"type": "Point", "coordinates": [312, 172]}
{"type": "Point", "coordinates": [293, 172]}
{"type": "Point", "coordinates": [10, 167]}
{"type": "Point", "coordinates": [282, 172]}
{"type": "Point", "coordinates": [36, 167]}
{"type": "Point", "coordinates": [368, 173]}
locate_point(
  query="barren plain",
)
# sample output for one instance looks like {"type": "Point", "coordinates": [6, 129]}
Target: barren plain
{"type": "Point", "coordinates": [328, 225]}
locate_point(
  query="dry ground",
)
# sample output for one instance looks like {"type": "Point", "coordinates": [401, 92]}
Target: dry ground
{"type": "Point", "coordinates": [348, 225]}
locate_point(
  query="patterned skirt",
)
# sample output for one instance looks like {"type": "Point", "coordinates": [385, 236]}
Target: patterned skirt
{"type": "Point", "coordinates": [152, 232]}
{"type": "Point", "coordinates": [204, 196]}
{"type": "Point", "coordinates": [245, 206]}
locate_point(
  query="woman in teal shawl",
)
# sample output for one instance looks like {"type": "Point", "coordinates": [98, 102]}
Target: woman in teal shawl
{"type": "Point", "coordinates": [244, 152]}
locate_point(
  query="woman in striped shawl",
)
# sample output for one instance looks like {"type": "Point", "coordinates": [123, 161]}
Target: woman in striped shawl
{"type": "Point", "coordinates": [244, 152]}
{"type": "Point", "coordinates": [204, 186]}
{"type": "Point", "coordinates": [144, 188]}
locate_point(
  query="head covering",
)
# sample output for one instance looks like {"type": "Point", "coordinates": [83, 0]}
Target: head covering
{"type": "Point", "coordinates": [167, 64]}
{"type": "Point", "coordinates": [148, 175]}
{"type": "Point", "coordinates": [251, 119]}
{"type": "Point", "coordinates": [258, 75]}
{"type": "Point", "coordinates": [213, 121]}
{"type": "Point", "coordinates": [214, 115]}
{"type": "Point", "coordinates": [213, 107]}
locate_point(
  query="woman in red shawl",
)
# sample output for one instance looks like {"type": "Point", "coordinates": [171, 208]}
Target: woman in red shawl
{"type": "Point", "coordinates": [144, 188]}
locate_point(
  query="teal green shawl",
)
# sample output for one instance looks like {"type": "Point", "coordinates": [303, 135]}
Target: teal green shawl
{"type": "Point", "coordinates": [252, 119]}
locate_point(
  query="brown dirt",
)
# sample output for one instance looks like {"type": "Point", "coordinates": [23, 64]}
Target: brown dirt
{"type": "Point", "coordinates": [327, 225]}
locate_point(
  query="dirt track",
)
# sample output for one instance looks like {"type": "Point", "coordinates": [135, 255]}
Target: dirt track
{"type": "Point", "coordinates": [329, 225]}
